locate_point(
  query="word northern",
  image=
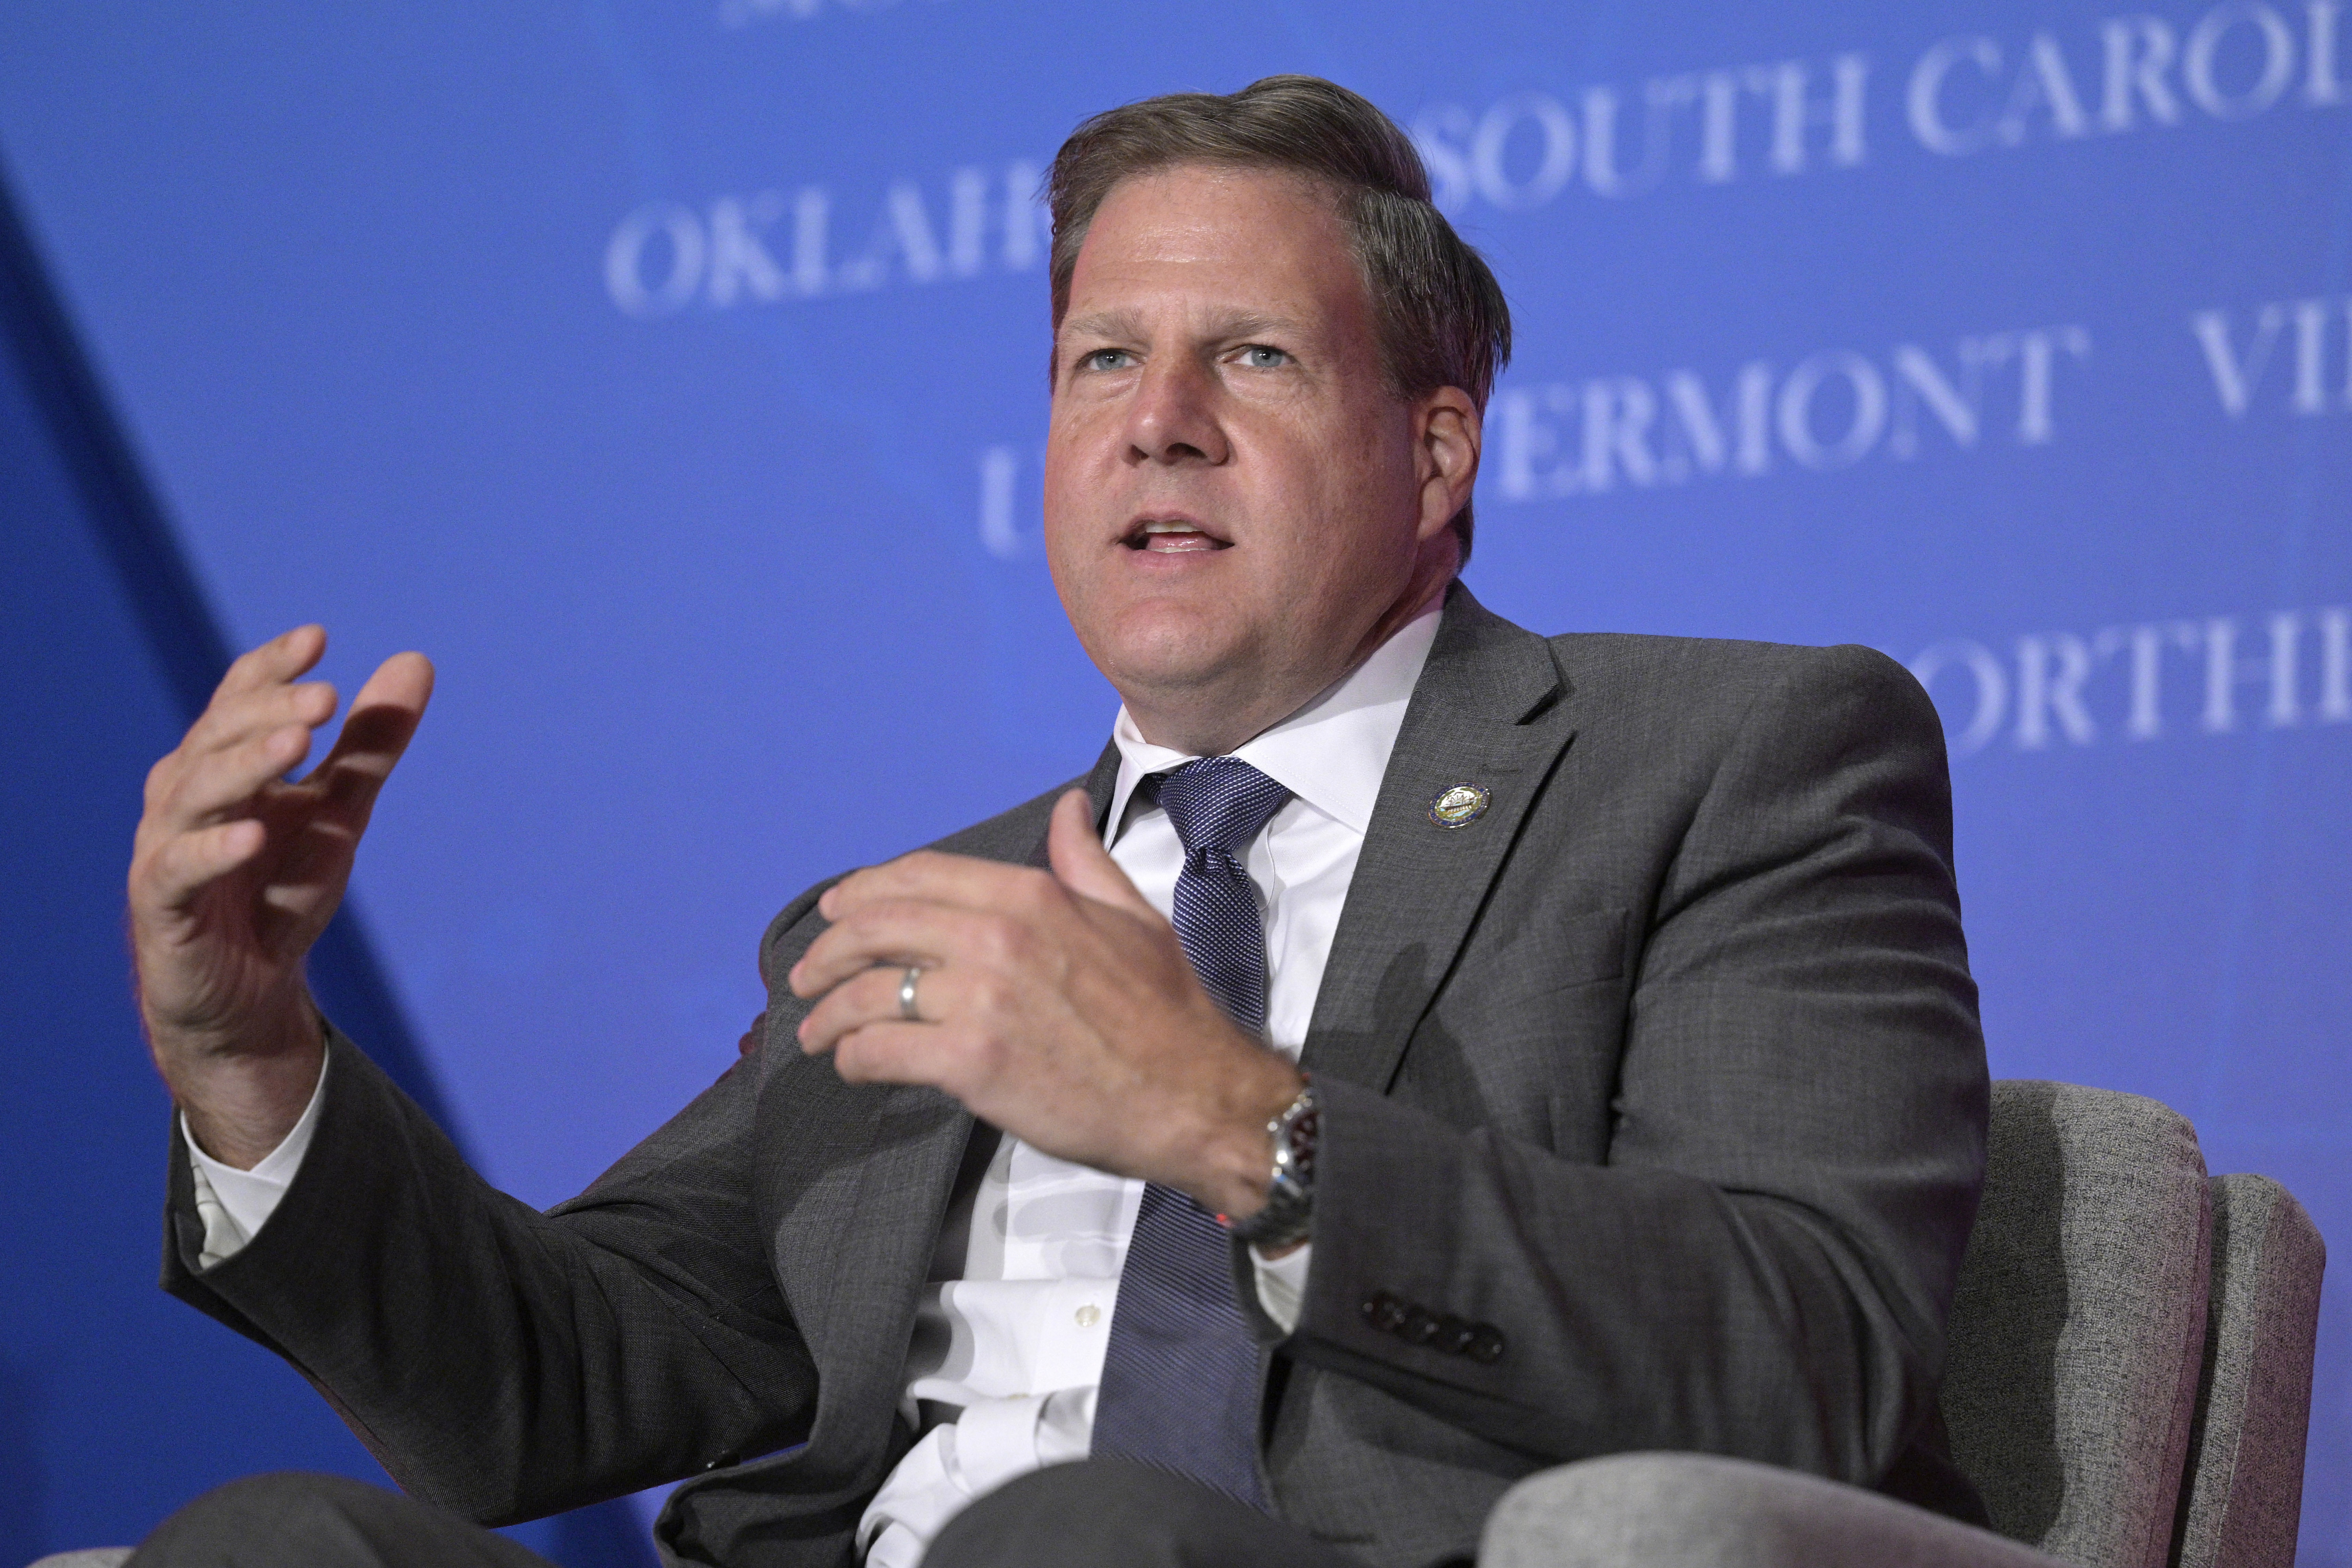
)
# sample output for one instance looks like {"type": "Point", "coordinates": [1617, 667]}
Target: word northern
{"type": "Point", "coordinates": [2216, 675]}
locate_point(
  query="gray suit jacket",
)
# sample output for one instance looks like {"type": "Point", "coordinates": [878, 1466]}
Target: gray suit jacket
{"type": "Point", "coordinates": [1667, 1067]}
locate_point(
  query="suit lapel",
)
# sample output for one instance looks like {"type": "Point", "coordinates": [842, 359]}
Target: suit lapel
{"type": "Point", "coordinates": [1100, 785]}
{"type": "Point", "coordinates": [871, 1170]}
{"type": "Point", "coordinates": [887, 1154]}
{"type": "Point", "coordinates": [1487, 711]}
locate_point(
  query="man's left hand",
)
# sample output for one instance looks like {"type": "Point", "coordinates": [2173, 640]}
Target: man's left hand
{"type": "Point", "coordinates": [1058, 1005]}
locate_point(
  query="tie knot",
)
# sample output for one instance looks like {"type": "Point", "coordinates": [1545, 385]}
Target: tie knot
{"type": "Point", "coordinates": [1219, 803]}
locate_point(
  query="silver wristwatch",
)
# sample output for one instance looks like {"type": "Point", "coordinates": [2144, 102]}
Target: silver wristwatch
{"type": "Point", "coordinates": [1288, 1216]}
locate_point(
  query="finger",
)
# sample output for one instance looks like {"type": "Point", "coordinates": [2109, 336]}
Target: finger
{"type": "Point", "coordinates": [238, 716]}
{"type": "Point", "coordinates": [280, 660]}
{"type": "Point", "coordinates": [190, 862]}
{"type": "Point", "coordinates": [869, 998]}
{"type": "Point", "coordinates": [227, 782]}
{"type": "Point", "coordinates": [1081, 863]}
{"type": "Point", "coordinates": [927, 874]}
{"type": "Point", "coordinates": [306, 872]}
{"type": "Point", "coordinates": [894, 1052]}
{"type": "Point", "coordinates": [901, 931]}
{"type": "Point", "coordinates": [383, 719]}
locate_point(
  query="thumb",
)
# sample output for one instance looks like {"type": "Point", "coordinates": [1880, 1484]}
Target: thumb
{"type": "Point", "coordinates": [383, 717]}
{"type": "Point", "coordinates": [1081, 863]}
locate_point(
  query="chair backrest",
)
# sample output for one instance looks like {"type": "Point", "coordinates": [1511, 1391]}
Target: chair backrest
{"type": "Point", "coordinates": [2078, 1327]}
{"type": "Point", "coordinates": [2243, 1498]}
{"type": "Point", "coordinates": [2128, 1380]}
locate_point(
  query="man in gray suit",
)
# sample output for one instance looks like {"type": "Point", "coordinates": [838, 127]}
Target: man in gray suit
{"type": "Point", "coordinates": [1419, 1053]}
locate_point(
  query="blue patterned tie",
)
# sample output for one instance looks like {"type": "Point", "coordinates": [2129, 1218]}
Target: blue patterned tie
{"type": "Point", "coordinates": [1181, 1374]}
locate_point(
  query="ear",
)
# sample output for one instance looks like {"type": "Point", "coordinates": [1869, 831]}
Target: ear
{"type": "Point", "coordinates": [1448, 434]}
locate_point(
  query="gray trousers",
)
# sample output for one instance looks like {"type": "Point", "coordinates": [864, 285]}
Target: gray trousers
{"type": "Point", "coordinates": [293, 1517]}
{"type": "Point", "coordinates": [1106, 1512]}
{"type": "Point", "coordinates": [1113, 1513]}
{"type": "Point", "coordinates": [1632, 1510]}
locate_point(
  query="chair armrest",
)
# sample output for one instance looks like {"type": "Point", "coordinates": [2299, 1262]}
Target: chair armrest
{"type": "Point", "coordinates": [1694, 1511]}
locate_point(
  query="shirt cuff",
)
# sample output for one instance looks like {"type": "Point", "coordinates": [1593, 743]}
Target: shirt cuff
{"type": "Point", "coordinates": [991, 1442]}
{"type": "Point", "coordinates": [235, 1204]}
{"type": "Point", "coordinates": [1281, 1284]}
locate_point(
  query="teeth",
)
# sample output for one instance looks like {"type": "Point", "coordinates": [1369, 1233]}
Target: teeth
{"type": "Point", "coordinates": [1169, 527]}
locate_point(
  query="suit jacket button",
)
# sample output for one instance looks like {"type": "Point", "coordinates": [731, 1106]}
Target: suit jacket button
{"type": "Point", "coordinates": [1421, 1327]}
{"type": "Point", "coordinates": [1453, 1335]}
{"type": "Point", "coordinates": [1486, 1344]}
{"type": "Point", "coordinates": [722, 1462]}
{"type": "Point", "coordinates": [1384, 1311]}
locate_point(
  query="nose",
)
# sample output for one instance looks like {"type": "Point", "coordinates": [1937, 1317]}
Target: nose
{"type": "Point", "coordinates": [1174, 419]}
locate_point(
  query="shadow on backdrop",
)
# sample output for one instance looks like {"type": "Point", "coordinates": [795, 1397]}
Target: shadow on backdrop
{"type": "Point", "coordinates": [117, 1405]}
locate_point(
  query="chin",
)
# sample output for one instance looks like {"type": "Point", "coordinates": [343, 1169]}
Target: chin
{"type": "Point", "coordinates": [1159, 645]}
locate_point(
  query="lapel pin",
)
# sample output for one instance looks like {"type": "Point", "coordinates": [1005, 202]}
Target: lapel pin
{"type": "Point", "coordinates": [1460, 805]}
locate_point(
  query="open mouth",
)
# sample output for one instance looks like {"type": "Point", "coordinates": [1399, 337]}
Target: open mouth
{"type": "Point", "coordinates": [1172, 536]}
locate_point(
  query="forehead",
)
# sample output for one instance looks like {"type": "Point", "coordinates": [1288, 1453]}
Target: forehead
{"type": "Point", "coordinates": [1256, 239]}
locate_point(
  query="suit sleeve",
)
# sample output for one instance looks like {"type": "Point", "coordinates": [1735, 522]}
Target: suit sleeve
{"type": "Point", "coordinates": [1761, 1266]}
{"type": "Point", "coordinates": [503, 1362]}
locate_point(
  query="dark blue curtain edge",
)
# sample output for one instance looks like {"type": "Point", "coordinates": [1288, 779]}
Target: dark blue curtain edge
{"type": "Point", "coordinates": [184, 638]}
{"type": "Point", "coordinates": [185, 642]}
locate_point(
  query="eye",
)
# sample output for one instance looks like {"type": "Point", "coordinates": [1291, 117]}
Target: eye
{"type": "Point", "coordinates": [1259, 356]}
{"type": "Point", "coordinates": [1106, 359]}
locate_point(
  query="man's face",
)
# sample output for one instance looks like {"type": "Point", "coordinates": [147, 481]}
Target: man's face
{"type": "Point", "coordinates": [1233, 499]}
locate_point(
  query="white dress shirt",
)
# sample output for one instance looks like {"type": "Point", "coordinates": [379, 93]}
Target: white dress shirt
{"type": "Point", "coordinates": [1012, 1327]}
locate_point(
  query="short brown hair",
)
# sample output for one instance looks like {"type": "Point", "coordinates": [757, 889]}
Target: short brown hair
{"type": "Point", "coordinates": [1443, 318]}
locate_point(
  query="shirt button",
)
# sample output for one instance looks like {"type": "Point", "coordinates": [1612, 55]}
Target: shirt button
{"type": "Point", "coordinates": [1088, 1315]}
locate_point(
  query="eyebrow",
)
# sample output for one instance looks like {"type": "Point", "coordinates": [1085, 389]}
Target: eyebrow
{"type": "Point", "coordinates": [1125, 325]}
{"type": "Point", "coordinates": [1103, 324]}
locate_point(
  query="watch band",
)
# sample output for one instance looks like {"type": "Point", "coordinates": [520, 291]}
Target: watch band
{"type": "Point", "coordinates": [1288, 1216]}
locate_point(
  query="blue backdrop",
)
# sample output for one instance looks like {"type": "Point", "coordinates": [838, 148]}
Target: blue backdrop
{"type": "Point", "coordinates": [674, 374]}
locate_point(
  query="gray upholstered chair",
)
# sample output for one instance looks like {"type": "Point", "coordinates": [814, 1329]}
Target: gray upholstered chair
{"type": "Point", "coordinates": [2129, 1384]}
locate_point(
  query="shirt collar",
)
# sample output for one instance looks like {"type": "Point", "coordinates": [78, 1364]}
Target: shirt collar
{"type": "Point", "coordinates": [1332, 753]}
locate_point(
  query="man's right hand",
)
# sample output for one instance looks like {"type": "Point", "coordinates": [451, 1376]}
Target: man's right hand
{"type": "Point", "coordinates": [237, 871]}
